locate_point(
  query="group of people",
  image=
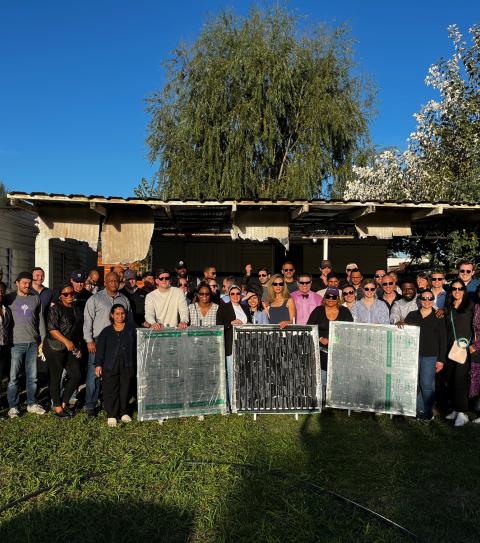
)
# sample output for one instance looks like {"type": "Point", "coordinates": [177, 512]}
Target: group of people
{"type": "Point", "coordinates": [87, 333]}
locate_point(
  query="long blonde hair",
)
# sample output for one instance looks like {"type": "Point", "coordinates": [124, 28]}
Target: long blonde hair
{"type": "Point", "coordinates": [271, 294]}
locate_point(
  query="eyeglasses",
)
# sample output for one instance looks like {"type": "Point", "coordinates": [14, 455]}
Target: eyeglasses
{"type": "Point", "coordinates": [303, 282]}
{"type": "Point", "coordinates": [457, 288]}
{"type": "Point", "coordinates": [262, 275]}
{"type": "Point", "coordinates": [466, 271]}
{"type": "Point", "coordinates": [204, 293]}
{"type": "Point", "coordinates": [388, 284]}
{"type": "Point", "coordinates": [288, 270]}
{"type": "Point", "coordinates": [331, 297]}
{"type": "Point", "coordinates": [325, 267]}
{"type": "Point", "coordinates": [66, 294]}
{"type": "Point", "coordinates": [278, 284]}
{"type": "Point", "coordinates": [370, 289]}
{"type": "Point", "coordinates": [164, 278]}
{"type": "Point", "coordinates": [348, 293]}
{"type": "Point", "coordinates": [350, 269]}
{"type": "Point", "coordinates": [437, 278]}
{"type": "Point", "coordinates": [427, 298]}
{"type": "Point", "coordinates": [379, 275]}
{"type": "Point", "coordinates": [234, 293]}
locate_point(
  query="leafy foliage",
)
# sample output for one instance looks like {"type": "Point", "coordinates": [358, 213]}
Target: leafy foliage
{"type": "Point", "coordinates": [253, 111]}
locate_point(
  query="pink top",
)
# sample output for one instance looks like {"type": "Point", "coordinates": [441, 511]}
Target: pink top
{"type": "Point", "coordinates": [305, 304]}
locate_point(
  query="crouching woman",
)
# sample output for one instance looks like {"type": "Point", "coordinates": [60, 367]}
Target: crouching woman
{"type": "Point", "coordinates": [115, 361]}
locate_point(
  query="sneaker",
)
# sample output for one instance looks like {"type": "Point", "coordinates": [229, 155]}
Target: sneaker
{"type": "Point", "coordinates": [477, 420]}
{"type": "Point", "coordinates": [61, 414]}
{"type": "Point", "coordinates": [126, 418]}
{"type": "Point", "coordinates": [452, 416]}
{"type": "Point", "coordinates": [424, 419]}
{"type": "Point", "coordinates": [36, 409]}
{"type": "Point", "coordinates": [201, 417]}
{"type": "Point", "coordinates": [111, 423]}
{"type": "Point", "coordinates": [461, 419]}
{"type": "Point", "coordinates": [13, 412]}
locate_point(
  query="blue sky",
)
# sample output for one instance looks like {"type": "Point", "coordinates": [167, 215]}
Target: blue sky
{"type": "Point", "coordinates": [74, 76]}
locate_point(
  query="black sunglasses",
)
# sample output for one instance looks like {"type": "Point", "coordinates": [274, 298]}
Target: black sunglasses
{"type": "Point", "coordinates": [67, 294]}
{"type": "Point", "coordinates": [466, 271]}
{"type": "Point", "coordinates": [303, 282]}
{"type": "Point", "coordinates": [427, 298]}
{"type": "Point", "coordinates": [278, 284]}
{"type": "Point", "coordinates": [348, 292]}
{"type": "Point", "coordinates": [287, 269]}
{"type": "Point", "coordinates": [388, 284]}
{"type": "Point", "coordinates": [331, 297]}
{"type": "Point", "coordinates": [370, 289]}
{"type": "Point", "coordinates": [458, 288]}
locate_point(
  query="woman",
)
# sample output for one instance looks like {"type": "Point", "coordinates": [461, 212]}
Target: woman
{"type": "Point", "coordinates": [423, 282]}
{"type": "Point", "coordinates": [369, 309]}
{"type": "Point", "coordinates": [203, 312]}
{"type": "Point", "coordinates": [431, 353]}
{"type": "Point", "coordinates": [6, 327]}
{"type": "Point", "coordinates": [458, 318]}
{"type": "Point", "coordinates": [62, 349]}
{"type": "Point", "coordinates": [348, 296]}
{"type": "Point", "coordinates": [231, 314]}
{"type": "Point", "coordinates": [115, 363]}
{"type": "Point", "coordinates": [331, 310]}
{"type": "Point", "coordinates": [280, 306]}
{"type": "Point", "coordinates": [255, 308]}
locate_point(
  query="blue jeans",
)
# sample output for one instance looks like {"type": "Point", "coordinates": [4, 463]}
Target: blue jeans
{"type": "Point", "coordinates": [23, 353]}
{"type": "Point", "coordinates": [426, 385]}
{"type": "Point", "coordinates": [92, 384]}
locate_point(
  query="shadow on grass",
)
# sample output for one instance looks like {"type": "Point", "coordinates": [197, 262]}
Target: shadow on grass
{"type": "Point", "coordinates": [77, 520]}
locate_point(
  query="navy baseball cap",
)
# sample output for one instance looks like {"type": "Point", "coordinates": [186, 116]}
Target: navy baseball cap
{"type": "Point", "coordinates": [78, 276]}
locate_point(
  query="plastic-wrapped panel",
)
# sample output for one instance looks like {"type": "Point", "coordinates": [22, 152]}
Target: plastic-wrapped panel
{"type": "Point", "coordinates": [276, 371]}
{"type": "Point", "coordinates": [180, 373]}
{"type": "Point", "coordinates": [373, 367]}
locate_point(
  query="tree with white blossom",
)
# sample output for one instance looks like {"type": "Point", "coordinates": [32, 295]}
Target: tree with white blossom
{"type": "Point", "coordinates": [442, 161]}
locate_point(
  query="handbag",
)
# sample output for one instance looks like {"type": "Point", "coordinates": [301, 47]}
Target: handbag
{"type": "Point", "coordinates": [458, 351]}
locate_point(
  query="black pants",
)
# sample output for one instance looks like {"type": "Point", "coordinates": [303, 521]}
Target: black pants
{"type": "Point", "coordinates": [457, 378]}
{"type": "Point", "coordinates": [116, 390]}
{"type": "Point", "coordinates": [58, 361]}
{"type": "Point", "coordinates": [4, 361]}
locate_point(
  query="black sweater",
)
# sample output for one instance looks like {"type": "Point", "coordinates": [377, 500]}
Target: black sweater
{"type": "Point", "coordinates": [112, 345]}
{"type": "Point", "coordinates": [433, 340]}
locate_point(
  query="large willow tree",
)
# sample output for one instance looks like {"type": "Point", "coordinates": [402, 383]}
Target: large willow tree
{"type": "Point", "coordinates": [252, 110]}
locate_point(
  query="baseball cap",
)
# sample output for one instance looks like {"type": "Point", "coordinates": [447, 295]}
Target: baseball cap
{"type": "Point", "coordinates": [332, 291]}
{"type": "Point", "coordinates": [78, 276]}
{"type": "Point", "coordinates": [180, 264]}
{"type": "Point", "coordinates": [129, 274]}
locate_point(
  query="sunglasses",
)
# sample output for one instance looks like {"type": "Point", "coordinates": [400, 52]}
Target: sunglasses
{"type": "Point", "coordinates": [437, 278]}
{"type": "Point", "coordinates": [262, 275]}
{"type": "Point", "coordinates": [379, 276]}
{"type": "Point", "coordinates": [234, 293]}
{"type": "Point", "coordinates": [427, 298]}
{"type": "Point", "coordinates": [457, 288]}
{"type": "Point", "coordinates": [164, 278]}
{"type": "Point", "coordinates": [370, 289]}
{"type": "Point", "coordinates": [331, 297]}
{"type": "Point", "coordinates": [204, 293]}
{"type": "Point", "coordinates": [278, 284]}
{"type": "Point", "coordinates": [66, 294]}
{"type": "Point", "coordinates": [348, 293]}
{"type": "Point", "coordinates": [388, 284]}
{"type": "Point", "coordinates": [466, 271]}
{"type": "Point", "coordinates": [303, 282]}
{"type": "Point", "coordinates": [288, 269]}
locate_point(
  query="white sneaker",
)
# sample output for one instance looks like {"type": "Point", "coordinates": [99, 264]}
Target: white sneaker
{"type": "Point", "coordinates": [452, 416]}
{"type": "Point", "coordinates": [126, 418]}
{"type": "Point", "coordinates": [36, 409]}
{"type": "Point", "coordinates": [13, 412]}
{"type": "Point", "coordinates": [201, 417]}
{"type": "Point", "coordinates": [461, 419]}
{"type": "Point", "coordinates": [477, 420]}
{"type": "Point", "coordinates": [111, 423]}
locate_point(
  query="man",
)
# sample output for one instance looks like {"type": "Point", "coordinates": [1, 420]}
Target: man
{"type": "Point", "coordinates": [91, 283]}
{"type": "Point", "coordinates": [182, 273]}
{"type": "Point", "coordinates": [288, 272]}
{"type": "Point", "coordinates": [215, 298]}
{"type": "Point", "coordinates": [148, 281]}
{"type": "Point", "coordinates": [77, 280]}
{"type": "Point", "coordinates": [389, 295]}
{"type": "Point", "coordinates": [136, 297]}
{"type": "Point", "coordinates": [44, 293]}
{"type": "Point", "coordinates": [263, 279]}
{"type": "Point", "coordinates": [226, 284]}
{"type": "Point", "coordinates": [348, 270]}
{"type": "Point", "coordinates": [401, 308]}
{"type": "Point", "coordinates": [96, 318]}
{"type": "Point", "coordinates": [356, 279]}
{"type": "Point", "coordinates": [325, 269]}
{"type": "Point", "coordinates": [438, 281]}
{"type": "Point", "coordinates": [166, 305]}
{"type": "Point", "coordinates": [118, 269]}
{"type": "Point", "coordinates": [28, 333]}
{"type": "Point", "coordinates": [333, 281]}
{"type": "Point", "coordinates": [379, 275]}
{"type": "Point", "coordinates": [466, 272]}
{"type": "Point", "coordinates": [305, 299]}
{"type": "Point", "coordinates": [209, 272]}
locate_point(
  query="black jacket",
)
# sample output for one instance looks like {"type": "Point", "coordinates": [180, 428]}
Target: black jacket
{"type": "Point", "coordinates": [111, 344]}
{"type": "Point", "coordinates": [225, 316]}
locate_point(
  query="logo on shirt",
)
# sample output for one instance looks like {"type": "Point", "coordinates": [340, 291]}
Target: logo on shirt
{"type": "Point", "coordinates": [24, 308]}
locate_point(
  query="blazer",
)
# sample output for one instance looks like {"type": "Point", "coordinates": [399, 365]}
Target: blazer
{"type": "Point", "coordinates": [225, 316]}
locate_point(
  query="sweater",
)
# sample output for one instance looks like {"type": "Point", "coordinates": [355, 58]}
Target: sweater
{"type": "Point", "coordinates": [432, 334]}
{"type": "Point", "coordinates": [166, 308]}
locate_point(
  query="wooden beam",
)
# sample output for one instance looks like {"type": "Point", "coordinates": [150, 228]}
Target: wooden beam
{"type": "Point", "coordinates": [305, 208]}
{"type": "Point", "coordinates": [367, 210]}
{"type": "Point", "coordinates": [425, 213]}
{"type": "Point", "coordinates": [233, 211]}
{"type": "Point", "coordinates": [101, 210]}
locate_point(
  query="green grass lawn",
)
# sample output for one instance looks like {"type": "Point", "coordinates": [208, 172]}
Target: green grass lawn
{"type": "Point", "coordinates": [426, 478]}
